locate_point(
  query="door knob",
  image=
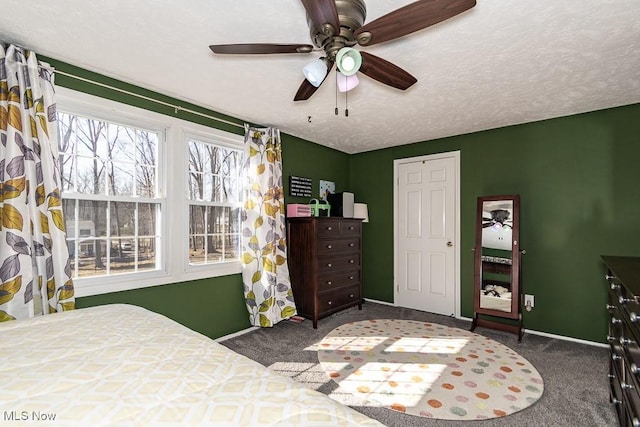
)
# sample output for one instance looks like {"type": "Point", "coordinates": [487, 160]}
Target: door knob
{"type": "Point", "coordinates": [449, 244]}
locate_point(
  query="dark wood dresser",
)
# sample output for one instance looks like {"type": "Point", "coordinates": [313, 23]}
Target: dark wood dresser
{"type": "Point", "coordinates": [325, 264]}
{"type": "Point", "coordinates": [623, 305]}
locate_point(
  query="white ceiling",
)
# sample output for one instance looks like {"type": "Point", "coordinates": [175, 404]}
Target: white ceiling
{"type": "Point", "coordinates": [501, 63]}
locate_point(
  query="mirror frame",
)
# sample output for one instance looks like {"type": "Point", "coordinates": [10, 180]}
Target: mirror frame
{"type": "Point", "coordinates": [516, 288]}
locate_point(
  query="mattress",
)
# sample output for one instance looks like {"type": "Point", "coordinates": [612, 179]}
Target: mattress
{"type": "Point", "coordinates": [122, 365]}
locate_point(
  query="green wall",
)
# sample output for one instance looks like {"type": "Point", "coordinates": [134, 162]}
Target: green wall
{"type": "Point", "coordinates": [213, 306]}
{"type": "Point", "coordinates": [579, 185]}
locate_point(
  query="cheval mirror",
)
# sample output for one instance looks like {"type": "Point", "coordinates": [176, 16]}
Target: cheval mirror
{"type": "Point", "coordinates": [497, 287]}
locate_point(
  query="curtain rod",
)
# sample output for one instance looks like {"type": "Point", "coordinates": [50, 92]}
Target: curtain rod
{"type": "Point", "coordinates": [146, 98]}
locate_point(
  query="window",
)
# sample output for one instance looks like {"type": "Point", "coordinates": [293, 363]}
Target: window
{"type": "Point", "coordinates": [110, 195]}
{"type": "Point", "coordinates": [214, 202]}
{"type": "Point", "coordinates": [148, 199]}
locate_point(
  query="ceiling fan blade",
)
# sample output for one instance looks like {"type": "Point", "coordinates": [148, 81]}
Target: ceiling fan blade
{"type": "Point", "coordinates": [409, 19]}
{"type": "Point", "coordinates": [305, 91]}
{"type": "Point", "coordinates": [260, 48]}
{"type": "Point", "coordinates": [323, 12]}
{"type": "Point", "coordinates": [385, 72]}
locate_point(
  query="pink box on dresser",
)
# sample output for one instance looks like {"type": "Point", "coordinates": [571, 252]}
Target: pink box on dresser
{"type": "Point", "coordinates": [297, 209]}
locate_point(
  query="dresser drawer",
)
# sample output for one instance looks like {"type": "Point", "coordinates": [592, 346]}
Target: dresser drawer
{"type": "Point", "coordinates": [338, 279]}
{"type": "Point", "coordinates": [328, 264]}
{"type": "Point", "coordinates": [350, 228]}
{"type": "Point", "coordinates": [335, 298]}
{"type": "Point", "coordinates": [351, 244]}
{"type": "Point", "coordinates": [328, 228]}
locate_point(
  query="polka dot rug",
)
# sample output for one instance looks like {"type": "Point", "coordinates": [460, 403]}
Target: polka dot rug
{"type": "Point", "coordinates": [429, 370]}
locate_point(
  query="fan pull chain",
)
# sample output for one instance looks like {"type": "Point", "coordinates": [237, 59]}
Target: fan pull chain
{"type": "Point", "coordinates": [346, 104]}
{"type": "Point", "coordinates": [336, 111]}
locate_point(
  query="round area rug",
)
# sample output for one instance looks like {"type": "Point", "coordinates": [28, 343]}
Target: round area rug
{"type": "Point", "coordinates": [429, 370]}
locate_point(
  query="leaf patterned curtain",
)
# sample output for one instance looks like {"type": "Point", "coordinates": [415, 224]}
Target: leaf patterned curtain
{"type": "Point", "coordinates": [34, 258]}
{"type": "Point", "coordinates": [265, 272]}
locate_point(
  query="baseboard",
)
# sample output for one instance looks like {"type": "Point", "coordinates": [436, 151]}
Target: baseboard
{"type": "Point", "coordinates": [380, 302]}
{"type": "Point", "coordinates": [559, 337]}
{"type": "Point", "coordinates": [236, 334]}
{"type": "Point", "coordinates": [528, 331]}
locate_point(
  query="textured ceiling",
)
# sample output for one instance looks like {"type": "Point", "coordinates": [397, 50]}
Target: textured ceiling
{"type": "Point", "coordinates": [501, 63]}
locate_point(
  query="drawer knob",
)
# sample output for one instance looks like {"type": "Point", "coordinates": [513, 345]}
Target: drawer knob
{"type": "Point", "coordinates": [611, 377]}
{"type": "Point", "coordinates": [609, 276]}
{"type": "Point", "coordinates": [328, 282]}
{"type": "Point", "coordinates": [625, 341]}
{"type": "Point", "coordinates": [329, 246]}
{"type": "Point", "coordinates": [615, 321]}
{"type": "Point", "coordinates": [351, 296]}
{"type": "Point", "coordinates": [609, 306]}
{"type": "Point", "coordinates": [614, 286]}
{"type": "Point", "coordinates": [351, 227]}
{"type": "Point", "coordinates": [350, 277]}
{"type": "Point", "coordinates": [624, 300]}
{"type": "Point", "coordinates": [610, 338]}
{"type": "Point", "coordinates": [351, 245]}
{"type": "Point", "coordinates": [329, 303]}
{"type": "Point", "coordinates": [613, 356]}
{"type": "Point", "coordinates": [616, 401]}
{"type": "Point", "coordinates": [634, 369]}
{"type": "Point", "coordinates": [351, 261]}
{"type": "Point", "coordinates": [329, 265]}
{"type": "Point", "coordinates": [624, 385]}
{"type": "Point", "coordinates": [329, 228]}
{"type": "Point", "coordinates": [633, 317]}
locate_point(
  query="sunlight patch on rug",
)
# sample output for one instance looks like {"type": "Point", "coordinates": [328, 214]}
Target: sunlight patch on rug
{"type": "Point", "coordinates": [428, 370]}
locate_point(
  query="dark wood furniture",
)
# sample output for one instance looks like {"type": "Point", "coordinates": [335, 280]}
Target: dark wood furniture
{"type": "Point", "coordinates": [497, 230]}
{"type": "Point", "coordinates": [325, 264]}
{"type": "Point", "coordinates": [623, 304]}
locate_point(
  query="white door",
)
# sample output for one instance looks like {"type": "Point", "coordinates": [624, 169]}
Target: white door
{"type": "Point", "coordinates": [426, 237]}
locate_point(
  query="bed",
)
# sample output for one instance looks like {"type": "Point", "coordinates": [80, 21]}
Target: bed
{"type": "Point", "coordinates": [122, 365]}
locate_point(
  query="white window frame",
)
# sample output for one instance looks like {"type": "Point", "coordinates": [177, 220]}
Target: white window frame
{"type": "Point", "coordinates": [172, 186]}
{"type": "Point", "coordinates": [220, 138]}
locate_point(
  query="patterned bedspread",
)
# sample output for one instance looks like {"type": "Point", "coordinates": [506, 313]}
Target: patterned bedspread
{"type": "Point", "coordinates": [121, 365]}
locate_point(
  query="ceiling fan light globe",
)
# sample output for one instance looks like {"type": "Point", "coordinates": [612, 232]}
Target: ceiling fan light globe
{"type": "Point", "coordinates": [315, 72]}
{"type": "Point", "coordinates": [348, 61]}
{"type": "Point", "coordinates": [346, 83]}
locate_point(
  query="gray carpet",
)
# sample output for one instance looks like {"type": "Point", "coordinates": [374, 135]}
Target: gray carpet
{"type": "Point", "coordinates": [575, 375]}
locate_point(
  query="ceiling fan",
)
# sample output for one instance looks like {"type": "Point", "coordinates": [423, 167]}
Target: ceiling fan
{"type": "Point", "coordinates": [338, 25]}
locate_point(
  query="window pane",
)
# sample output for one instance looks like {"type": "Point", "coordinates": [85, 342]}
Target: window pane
{"type": "Point", "coordinates": [91, 138]}
{"type": "Point", "coordinates": [214, 248]}
{"type": "Point", "coordinates": [197, 219]}
{"type": "Point", "coordinates": [122, 217]}
{"type": "Point", "coordinates": [232, 247]}
{"type": "Point", "coordinates": [196, 250]}
{"type": "Point", "coordinates": [121, 178]}
{"type": "Point", "coordinates": [146, 147]}
{"type": "Point", "coordinates": [121, 143]}
{"type": "Point", "coordinates": [122, 257]}
{"type": "Point", "coordinates": [147, 219]}
{"type": "Point", "coordinates": [90, 175]}
{"type": "Point", "coordinates": [147, 254]}
{"type": "Point", "coordinates": [92, 215]}
{"type": "Point", "coordinates": [92, 257]}
{"type": "Point", "coordinates": [234, 220]}
{"type": "Point", "coordinates": [196, 186]}
{"type": "Point", "coordinates": [67, 172]}
{"type": "Point", "coordinates": [146, 181]}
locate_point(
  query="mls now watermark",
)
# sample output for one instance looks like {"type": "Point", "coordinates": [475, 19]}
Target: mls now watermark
{"type": "Point", "coordinates": [28, 416]}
